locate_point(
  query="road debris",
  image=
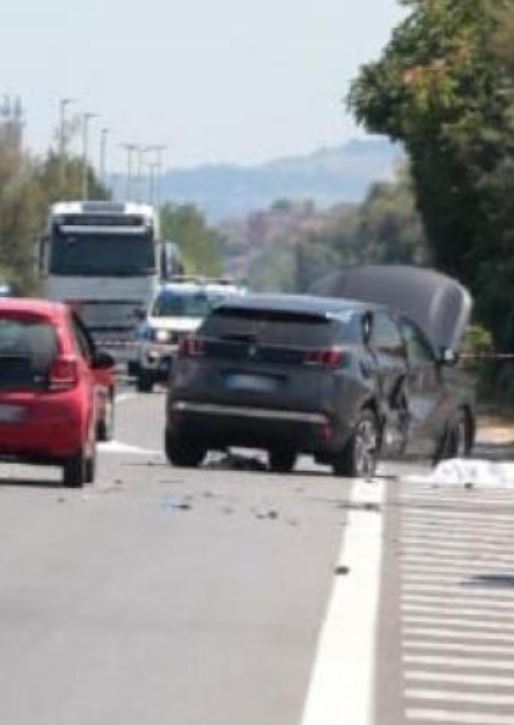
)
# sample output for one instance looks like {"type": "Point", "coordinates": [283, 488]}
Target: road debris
{"type": "Point", "coordinates": [175, 504]}
{"type": "Point", "coordinates": [470, 473]}
{"type": "Point", "coordinates": [342, 570]}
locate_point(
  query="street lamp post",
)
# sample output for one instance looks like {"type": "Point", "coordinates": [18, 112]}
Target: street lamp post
{"type": "Point", "coordinates": [103, 152]}
{"type": "Point", "coordinates": [156, 168]}
{"type": "Point", "coordinates": [86, 118]}
{"type": "Point", "coordinates": [129, 148]}
{"type": "Point", "coordinates": [64, 103]}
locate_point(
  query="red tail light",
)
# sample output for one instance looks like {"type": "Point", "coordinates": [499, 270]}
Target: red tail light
{"type": "Point", "coordinates": [191, 347]}
{"type": "Point", "coordinates": [330, 358]}
{"type": "Point", "coordinates": [64, 373]}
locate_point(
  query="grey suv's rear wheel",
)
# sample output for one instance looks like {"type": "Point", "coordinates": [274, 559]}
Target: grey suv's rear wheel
{"type": "Point", "coordinates": [182, 452]}
{"type": "Point", "coordinates": [358, 458]}
{"type": "Point", "coordinates": [281, 461]}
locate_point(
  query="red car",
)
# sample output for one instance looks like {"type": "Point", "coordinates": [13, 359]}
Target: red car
{"type": "Point", "coordinates": [56, 389]}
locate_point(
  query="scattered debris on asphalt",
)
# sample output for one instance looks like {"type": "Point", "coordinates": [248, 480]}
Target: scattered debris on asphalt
{"type": "Point", "coordinates": [237, 462]}
{"type": "Point", "coordinates": [342, 570]}
{"type": "Point", "coordinates": [470, 473]}
{"type": "Point", "coordinates": [175, 504]}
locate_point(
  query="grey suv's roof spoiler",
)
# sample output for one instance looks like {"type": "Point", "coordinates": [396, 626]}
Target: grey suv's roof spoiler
{"type": "Point", "coordinates": [437, 303]}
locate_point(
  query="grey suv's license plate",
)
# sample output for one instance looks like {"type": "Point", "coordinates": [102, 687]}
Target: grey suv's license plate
{"type": "Point", "coordinates": [254, 383]}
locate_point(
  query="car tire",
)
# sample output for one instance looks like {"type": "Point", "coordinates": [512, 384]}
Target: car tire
{"type": "Point", "coordinates": [182, 453]}
{"type": "Point", "coordinates": [144, 382]}
{"type": "Point", "coordinates": [90, 469]}
{"type": "Point", "coordinates": [75, 470]}
{"type": "Point", "coordinates": [105, 429]}
{"type": "Point", "coordinates": [281, 460]}
{"type": "Point", "coordinates": [358, 458]}
{"type": "Point", "coordinates": [455, 442]}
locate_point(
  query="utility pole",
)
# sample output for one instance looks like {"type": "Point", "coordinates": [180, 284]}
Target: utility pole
{"type": "Point", "coordinates": [63, 104]}
{"type": "Point", "coordinates": [130, 148]}
{"type": "Point", "coordinates": [156, 169]}
{"type": "Point", "coordinates": [103, 152]}
{"type": "Point", "coordinates": [86, 118]}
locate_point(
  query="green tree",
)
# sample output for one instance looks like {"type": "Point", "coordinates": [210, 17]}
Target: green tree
{"type": "Point", "coordinates": [441, 90]}
{"type": "Point", "coordinates": [199, 244]}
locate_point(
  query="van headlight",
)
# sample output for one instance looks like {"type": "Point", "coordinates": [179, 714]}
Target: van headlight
{"type": "Point", "coordinates": [163, 336]}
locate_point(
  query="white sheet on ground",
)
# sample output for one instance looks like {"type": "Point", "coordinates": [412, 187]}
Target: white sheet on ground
{"type": "Point", "coordinates": [470, 471]}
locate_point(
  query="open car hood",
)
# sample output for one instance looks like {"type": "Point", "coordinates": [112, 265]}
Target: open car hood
{"type": "Point", "coordinates": [437, 303]}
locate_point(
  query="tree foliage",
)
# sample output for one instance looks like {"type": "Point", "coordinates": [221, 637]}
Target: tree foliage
{"type": "Point", "coordinates": [28, 186]}
{"type": "Point", "coordinates": [384, 229]}
{"type": "Point", "coordinates": [199, 244]}
{"type": "Point", "coordinates": [443, 88]}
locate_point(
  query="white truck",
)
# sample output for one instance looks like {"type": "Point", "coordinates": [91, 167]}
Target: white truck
{"type": "Point", "coordinates": [107, 260]}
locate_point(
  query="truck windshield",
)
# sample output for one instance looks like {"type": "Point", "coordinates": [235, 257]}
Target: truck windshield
{"type": "Point", "coordinates": [102, 255]}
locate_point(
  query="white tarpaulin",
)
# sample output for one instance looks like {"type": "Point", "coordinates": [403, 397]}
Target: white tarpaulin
{"type": "Point", "coordinates": [473, 472]}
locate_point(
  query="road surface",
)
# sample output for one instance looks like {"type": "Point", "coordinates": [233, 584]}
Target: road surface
{"type": "Point", "coordinates": [162, 596]}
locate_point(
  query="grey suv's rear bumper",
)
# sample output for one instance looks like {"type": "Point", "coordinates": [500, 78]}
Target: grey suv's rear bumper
{"type": "Point", "coordinates": [212, 425]}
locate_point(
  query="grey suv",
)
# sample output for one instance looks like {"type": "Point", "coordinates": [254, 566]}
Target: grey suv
{"type": "Point", "coordinates": [342, 380]}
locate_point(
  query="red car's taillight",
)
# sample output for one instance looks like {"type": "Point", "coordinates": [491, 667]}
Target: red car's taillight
{"type": "Point", "coordinates": [332, 357]}
{"type": "Point", "coordinates": [64, 373]}
{"type": "Point", "coordinates": [191, 346]}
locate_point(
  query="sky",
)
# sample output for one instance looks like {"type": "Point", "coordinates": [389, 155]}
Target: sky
{"type": "Point", "coordinates": [231, 81]}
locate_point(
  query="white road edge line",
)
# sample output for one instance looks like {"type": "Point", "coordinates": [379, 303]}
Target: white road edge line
{"type": "Point", "coordinates": [123, 397]}
{"type": "Point", "coordinates": [342, 680]}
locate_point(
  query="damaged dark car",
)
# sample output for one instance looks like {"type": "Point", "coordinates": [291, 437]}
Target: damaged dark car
{"type": "Point", "coordinates": [368, 373]}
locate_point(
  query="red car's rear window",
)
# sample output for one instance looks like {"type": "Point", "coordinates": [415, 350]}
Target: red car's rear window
{"type": "Point", "coordinates": [28, 346]}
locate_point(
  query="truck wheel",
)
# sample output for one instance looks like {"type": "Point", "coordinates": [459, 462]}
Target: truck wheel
{"type": "Point", "coordinates": [181, 452]}
{"type": "Point", "coordinates": [358, 458]}
{"type": "Point", "coordinates": [144, 382]}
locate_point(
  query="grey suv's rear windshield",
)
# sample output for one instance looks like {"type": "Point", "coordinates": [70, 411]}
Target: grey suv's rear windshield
{"type": "Point", "coordinates": [27, 349]}
{"type": "Point", "coordinates": [277, 327]}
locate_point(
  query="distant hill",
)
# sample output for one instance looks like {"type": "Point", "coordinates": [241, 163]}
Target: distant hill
{"type": "Point", "coordinates": [328, 176]}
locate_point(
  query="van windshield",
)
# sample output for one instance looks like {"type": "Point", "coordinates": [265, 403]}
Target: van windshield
{"type": "Point", "coordinates": [175, 304]}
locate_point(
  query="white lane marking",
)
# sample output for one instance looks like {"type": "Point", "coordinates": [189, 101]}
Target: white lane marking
{"type": "Point", "coordinates": [450, 696]}
{"type": "Point", "coordinates": [123, 397]}
{"type": "Point", "coordinates": [462, 679]}
{"type": "Point", "coordinates": [341, 687]}
{"type": "Point", "coordinates": [481, 530]}
{"type": "Point", "coordinates": [451, 634]}
{"type": "Point", "coordinates": [418, 574]}
{"type": "Point", "coordinates": [461, 718]}
{"type": "Point", "coordinates": [464, 662]}
{"type": "Point", "coordinates": [414, 644]}
{"type": "Point", "coordinates": [117, 447]}
{"type": "Point", "coordinates": [452, 591]}
{"type": "Point", "coordinates": [452, 611]}
{"type": "Point", "coordinates": [440, 544]}
{"type": "Point", "coordinates": [456, 601]}
{"type": "Point", "coordinates": [457, 516]}
{"type": "Point", "coordinates": [443, 563]}
{"type": "Point", "coordinates": [453, 622]}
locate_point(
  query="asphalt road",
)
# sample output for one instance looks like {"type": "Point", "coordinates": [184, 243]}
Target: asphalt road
{"type": "Point", "coordinates": [162, 596]}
